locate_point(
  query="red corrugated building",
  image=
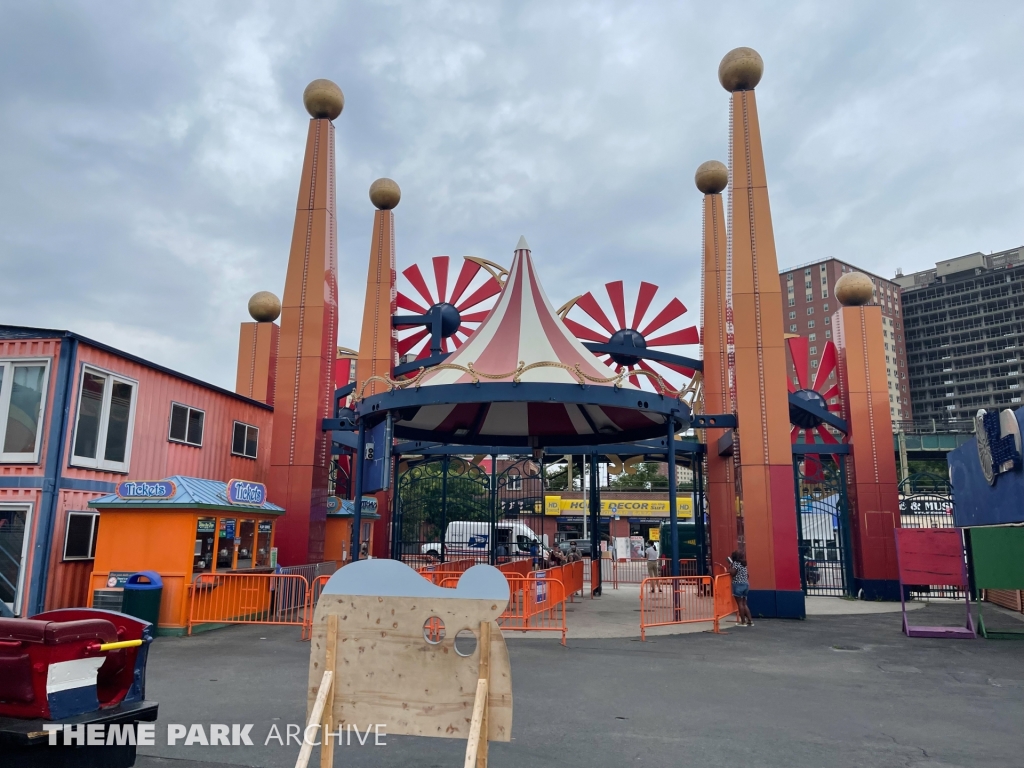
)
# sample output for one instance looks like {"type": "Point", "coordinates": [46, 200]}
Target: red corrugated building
{"type": "Point", "coordinates": [77, 417]}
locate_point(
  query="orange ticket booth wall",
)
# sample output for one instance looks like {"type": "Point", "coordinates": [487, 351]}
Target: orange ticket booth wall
{"type": "Point", "coordinates": [338, 535]}
{"type": "Point", "coordinates": [196, 530]}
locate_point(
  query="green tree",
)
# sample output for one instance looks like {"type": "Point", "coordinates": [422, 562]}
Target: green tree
{"type": "Point", "coordinates": [648, 477]}
{"type": "Point", "coordinates": [421, 496]}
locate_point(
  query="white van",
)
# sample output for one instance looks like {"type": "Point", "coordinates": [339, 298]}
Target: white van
{"type": "Point", "coordinates": [468, 539]}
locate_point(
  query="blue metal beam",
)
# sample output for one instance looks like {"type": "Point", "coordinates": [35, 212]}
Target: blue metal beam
{"type": "Point", "coordinates": [826, 416]}
{"type": "Point", "coordinates": [818, 448]}
{"type": "Point", "coordinates": [645, 354]}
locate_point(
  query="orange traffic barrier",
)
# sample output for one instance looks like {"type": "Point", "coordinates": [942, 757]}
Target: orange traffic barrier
{"type": "Point", "coordinates": [437, 572]}
{"type": "Point", "coordinates": [312, 596]}
{"type": "Point", "coordinates": [536, 603]}
{"type": "Point", "coordinates": [667, 600]}
{"type": "Point", "coordinates": [725, 603]}
{"type": "Point", "coordinates": [520, 567]}
{"type": "Point", "coordinates": [247, 598]}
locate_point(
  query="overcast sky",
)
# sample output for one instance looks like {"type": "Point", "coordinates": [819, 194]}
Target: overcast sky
{"type": "Point", "coordinates": [150, 153]}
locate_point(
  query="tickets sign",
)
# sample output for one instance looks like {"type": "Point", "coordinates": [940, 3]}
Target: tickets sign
{"type": "Point", "coordinates": [246, 493]}
{"type": "Point", "coordinates": [146, 489]}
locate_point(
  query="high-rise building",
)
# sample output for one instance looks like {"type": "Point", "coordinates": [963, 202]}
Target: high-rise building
{"type": "Point", "coordinates": [964, 327]}
{"type": "Point", "coordinates": [809, 302]}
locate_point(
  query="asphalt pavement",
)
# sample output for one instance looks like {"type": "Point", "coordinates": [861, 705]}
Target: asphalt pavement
{"type": "Point", "coordinates": [833, 690]}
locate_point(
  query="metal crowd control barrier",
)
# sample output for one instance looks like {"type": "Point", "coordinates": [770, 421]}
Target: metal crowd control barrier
{"type": "Point", "coordinates": [671, 600]}
{"type": "Point", "coordinates": [310, 571]}
{"type": "Point", "coordinates": [536, 603]}
{"type": "Point", "coordinates": [247, 598]}
{"type": "Point", "coordinates": [316, 588]}
{"type": "Point", "coordinates": [439, 572]}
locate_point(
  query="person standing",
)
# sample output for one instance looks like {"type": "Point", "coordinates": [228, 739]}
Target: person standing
{"type": "Point", "coordinates": [653, 563]}
{"type": "Point", "coordinates": [740, 587]}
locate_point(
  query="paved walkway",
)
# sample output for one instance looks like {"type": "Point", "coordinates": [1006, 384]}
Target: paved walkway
{"type": "Point", "coordinates": [834, 690]}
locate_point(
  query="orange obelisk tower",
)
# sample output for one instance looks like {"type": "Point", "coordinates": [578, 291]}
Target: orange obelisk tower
{"type": "Point", "coordinates": [378, 352]}
{"type": "Point", "coordinates": [257, 349]}
{"type": "Point", "coordinates": [711, 178]}
{"type": "Point", "coordinates": [763, 457]}
{"type": "Point", "coordinates": [871, 481]}
{"type": "Point", "coordinates": [377, 346]}
{"type": "Point", "coordinates": [300, 451]}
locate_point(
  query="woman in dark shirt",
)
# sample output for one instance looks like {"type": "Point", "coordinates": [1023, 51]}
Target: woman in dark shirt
{"type": "Point", "coordinates": [740, 587]}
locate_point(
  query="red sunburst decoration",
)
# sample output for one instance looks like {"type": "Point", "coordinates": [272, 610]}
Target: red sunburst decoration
{"type": "Point", "coordinates": [820, 392]}
{"type": "Point", "coordinates": [463, 301]}
{"type": "Point", "coordinates": [634, 329]}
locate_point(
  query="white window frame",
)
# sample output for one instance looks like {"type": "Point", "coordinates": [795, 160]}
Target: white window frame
{"type": "Point", "coordinates": [19, 588]}
{"type": "Point", "coordinates": [6, 388]}
{"type": "Point", "coordinates": [92, 536]}
{"type": "Point", "coordinates": [247, 427]}
{"type": "Point", "coordinates": [101, 438]}
{"type": "Point", "coordinates": [188, 413]}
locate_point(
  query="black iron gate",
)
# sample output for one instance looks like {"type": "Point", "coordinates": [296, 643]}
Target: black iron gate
{"type": "Point", "coordinates": [450, 508]}
{"type": "Point", "coordinates": [823, 524]}
{"type": "Point", "coordinates": [433, 494]}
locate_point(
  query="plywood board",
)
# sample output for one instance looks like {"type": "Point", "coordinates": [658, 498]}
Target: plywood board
{"type": "Point", "coordinates": [387, 670]}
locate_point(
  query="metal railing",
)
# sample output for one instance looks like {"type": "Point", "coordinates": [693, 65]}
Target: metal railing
{"type": "Point", "coordinates": [247, 598]}
{"type": "Point", "coordinates": [672, 600]}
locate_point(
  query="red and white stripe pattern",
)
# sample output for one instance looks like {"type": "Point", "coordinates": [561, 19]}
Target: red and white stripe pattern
{"type": "Point", "coordinates": [522, 327]}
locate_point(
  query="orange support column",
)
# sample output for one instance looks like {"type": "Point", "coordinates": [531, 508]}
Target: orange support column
{"type": "Point", "coordinates": [299, 454]}
{"type": "Point", "coordinates": [762, 452]}
{"type": "Point", "coordinates": [378, 352]}
{"type": "Point", "coordinates": [871, 481]}
{"type": "Point", "coordinates": [711, 178]}
{"type": "Point", "coordinates": [257, 349]}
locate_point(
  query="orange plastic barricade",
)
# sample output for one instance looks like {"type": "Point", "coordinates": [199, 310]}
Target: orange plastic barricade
{"type": "Point", "coordinates": [520, 567]}
{"type": "Point", "coordinates": [313, 595]}
{"type": "Point", "coordinates": [668, 600]}
{"type": "Point", "coordinates": [725, 603]}
{"type": "Point", "coordinates": [535, 604]}
{"type": "Point", "coordinates": [247, 598]}
{"type": "Point", "coordinates": [438, 572]}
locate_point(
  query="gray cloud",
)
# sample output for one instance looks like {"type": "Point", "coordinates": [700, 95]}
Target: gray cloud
{"type": "Point", "coordinates": [150, 156]}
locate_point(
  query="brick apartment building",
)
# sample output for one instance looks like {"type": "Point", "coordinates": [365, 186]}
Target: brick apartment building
{"type": "Point", "coordinates": [809, 303]}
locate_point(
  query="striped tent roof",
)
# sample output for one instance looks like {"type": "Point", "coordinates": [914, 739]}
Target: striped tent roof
{"type": "Point", "coordinates": [517, 380]}
{"type": "Point", "coordinates": [522, 328]}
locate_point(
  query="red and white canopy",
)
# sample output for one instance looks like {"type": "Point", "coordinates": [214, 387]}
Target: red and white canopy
{"type": "Point", "coordinates": [522, 327]}
{"type": "Point", "coordinates": [481, 395]}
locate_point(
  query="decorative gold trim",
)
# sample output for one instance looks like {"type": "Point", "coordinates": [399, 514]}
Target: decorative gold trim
{"type": "Point", "coordinates": [496, 271]}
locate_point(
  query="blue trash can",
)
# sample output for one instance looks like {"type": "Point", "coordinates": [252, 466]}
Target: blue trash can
{"type": "Point", "coordinates": [142, 593]}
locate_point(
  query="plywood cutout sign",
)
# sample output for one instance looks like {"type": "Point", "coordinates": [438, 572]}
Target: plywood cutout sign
{"type": "Point", "coordinates": [397, 663]}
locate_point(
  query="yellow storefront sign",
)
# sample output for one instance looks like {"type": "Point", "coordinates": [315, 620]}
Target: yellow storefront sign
{"type": "Point", "coordinates": [556, 505]}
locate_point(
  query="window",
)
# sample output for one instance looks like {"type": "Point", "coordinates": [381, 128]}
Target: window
{"type": "Point", "coordinates": [810, 323]}
{"type": "Point", "coordinates": [807, 272]}
{"type": "Point", "coordinates": [810, 310]}
{"type": "Point", "coordinates": [807, 284]}
{"type": "Point", "coordinates": [514, 483]}
{"type": "Point", "coordinates": [825, 308]}
{"type": "Point", "coordinates": [812, 337]}
{"type": "Point", "coordinates": [790, 277]}
{"type": "Point", "coordinates": [824, 293]}
{"type": "Point", "coordinates": [814, 363]}
{"type": "Point", "coordinates": [792, 301]}
{"type": "Point", "coordinates": [814, 350]}
{"type": "Point", "coordinates": [245, 440]}
{"type": "Point", "coordinates": [80, 535]}
{"type": "Point", "coordinates": [828, 320]}
{"type": "Point", "coordinates": [22, 397]}
{"type": "Point", "coordinates": [186, 425]}
{"type": "Point", "coordinates": [15, 522]}
{"type": "Point", "coordinates": [792, 329]}
{"type": "Point", "coordinates": [792, 315]}
{"type": "Point", "coordinates": [106, 416]}
{"type": "Point", "coordinates": [828, 334]}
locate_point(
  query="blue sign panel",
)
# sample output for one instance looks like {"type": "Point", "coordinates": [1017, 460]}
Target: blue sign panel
{"type": "Point", "coordinates": [988, 484]}
{"type": "Point", "coordinates": [246, 493]}
{"type": "Point", "coordinates": [143, 489]}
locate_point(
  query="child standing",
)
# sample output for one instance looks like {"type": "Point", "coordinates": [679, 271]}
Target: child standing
{"type": "Point", "coordinates": [740, 587]}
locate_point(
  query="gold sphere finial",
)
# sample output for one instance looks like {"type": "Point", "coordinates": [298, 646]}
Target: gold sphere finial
{"type": "Point", "coordinates": [854, 289]}
{"type": "Point", "coordinates": [264, 307]}
{"type": "Point", "coordinates": [740, 70]}
{"type": "Point", "coordinates": [323, 99]}
{"type": "Point", "coordinates": [385, 194]}
{"type": "Point", "coordinates": [711, 177]}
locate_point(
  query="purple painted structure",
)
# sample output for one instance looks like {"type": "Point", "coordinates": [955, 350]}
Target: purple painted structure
{"type": "Point", "coordinates": [933, 557]}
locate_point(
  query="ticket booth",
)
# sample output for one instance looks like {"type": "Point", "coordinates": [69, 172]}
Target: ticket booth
{"type": "Point", "coordinates": [338, 537]}
{"type": "Point", "coordinates": [180, 527]}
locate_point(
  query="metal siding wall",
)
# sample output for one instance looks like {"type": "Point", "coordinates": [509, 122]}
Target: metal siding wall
{"type": "Point", "coordinates": [154, 457]}
{"type": "Point", "coordinates": [69, 581]}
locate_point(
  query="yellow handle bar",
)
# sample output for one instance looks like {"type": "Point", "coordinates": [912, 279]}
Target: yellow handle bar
{"type": "Point", "coordinates": [119, 645]}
